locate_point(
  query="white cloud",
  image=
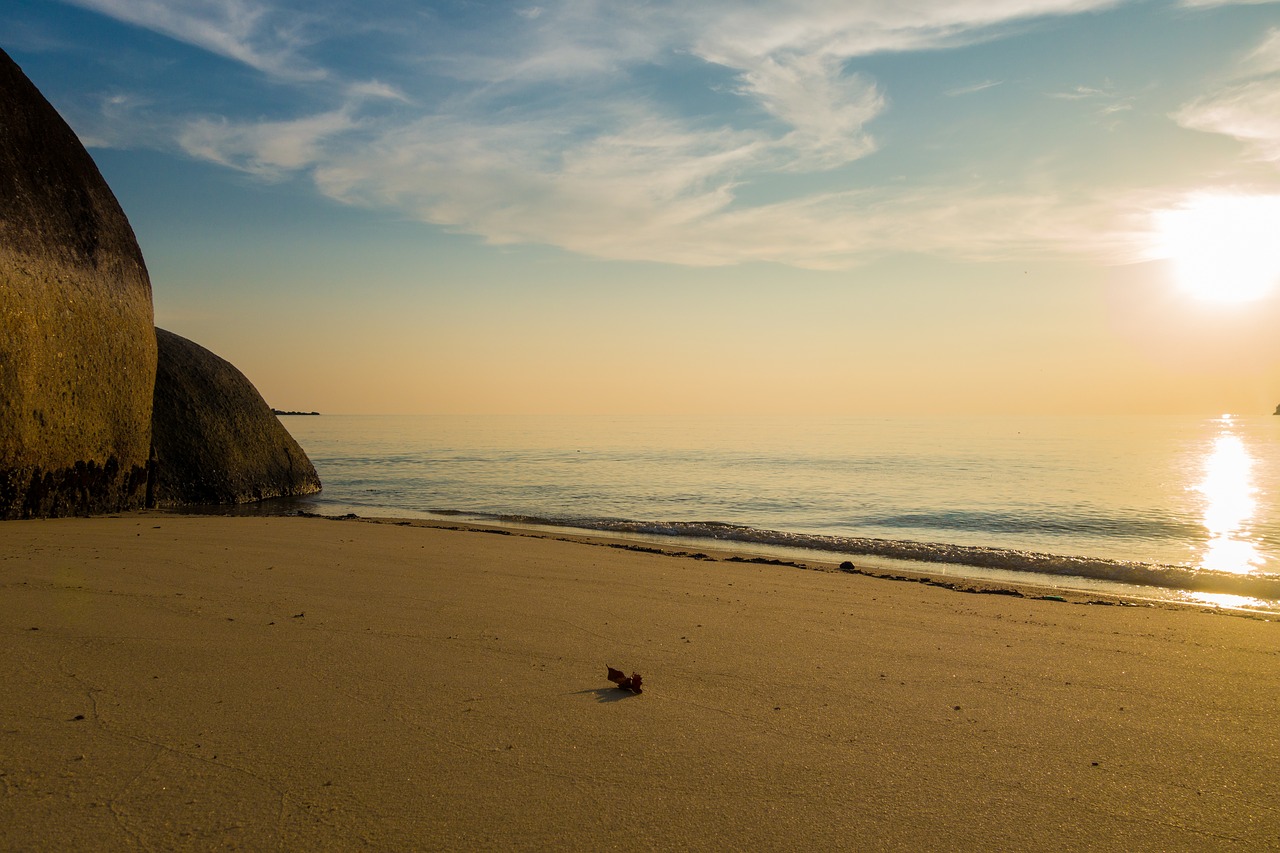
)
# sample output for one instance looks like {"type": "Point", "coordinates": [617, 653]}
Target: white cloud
{"type": "Point", "coordinates": [1265, 59]}
{"type": "Point", "coordinates": [825, 108]}
{"type": "Point", "coordinates": [1249, 113]}
{"type": "Point", "coordinates": [1107, 102]}
{"type": "Point", "coordinates": [1249, 110]}
{"type": "Point", "coordinates": [375, 90]}
{"type": "Point", "coordinates": [652, 191]}
{"type": "Point", "coordinates": [972, 88]}
{"type": "Point", "coordinates": [791, 57]}
{"type": "Point", "coordinates": [267, 149]}
{"type": "Point", "coordinates": [242, 30]}
{"type": "Point", "coordinates": [744, 31]}
{"type": "Point", "coordinates": [649, 177]}
{"type": "Point", "coordinates": [1080, 93]}
{"type": "Point", "coordinates": [120, 121]}
{"type": "Point", "coordinates": [1205, 4]}
{"type": "Point", "coordinates": [841, 230]}
{"type": "Point", "coordinates": [574, 40]}
{"type": "Point", "coordinates": [543, 138]}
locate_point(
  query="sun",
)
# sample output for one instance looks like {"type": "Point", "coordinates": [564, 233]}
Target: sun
{"type": "Point", "coordinates": [1223, 247]}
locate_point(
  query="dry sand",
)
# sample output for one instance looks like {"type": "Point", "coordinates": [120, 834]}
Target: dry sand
{"type": "Point", "coordinates": [176, 682]}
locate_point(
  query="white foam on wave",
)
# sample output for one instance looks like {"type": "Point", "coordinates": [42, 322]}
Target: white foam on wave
{"type": "Point", "coordinates": [1191, 579]}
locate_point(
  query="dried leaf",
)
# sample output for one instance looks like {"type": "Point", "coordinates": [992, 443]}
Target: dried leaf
{"type": "Point", "coordinates": [625, 682]}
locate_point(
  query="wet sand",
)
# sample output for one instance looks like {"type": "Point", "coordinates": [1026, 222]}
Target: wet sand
{"type": "Point", "coordinates": [177, 682]}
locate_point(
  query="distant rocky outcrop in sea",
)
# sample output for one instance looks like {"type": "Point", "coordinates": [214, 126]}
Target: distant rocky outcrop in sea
{"type": "Point", "coordinates": [77, 351]}
{"type": "Point", "coordinates": [216, 440]}
{"type": "Point", "coordinates": [1277, 411]}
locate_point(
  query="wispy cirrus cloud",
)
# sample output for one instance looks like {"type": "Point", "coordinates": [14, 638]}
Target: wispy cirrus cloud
{"type": "Point", "coordinates": [376, 90]}
{"type": "Point", "coordinates": [740, 32]}
{"type": "Point", "coordinates": [122, 120]}
{"type": "Point", "coordinates": [1249, 113]}
{"type": "Point", "coordinates": [267, 149]}
{"type": "Point", "coordinates": [840, 230]}
{"type": "Point", "coordinates": [1248, 109]}
{"type": "Point", "coordinates": [1104, 101]}
{"type": "Point", "coordinates": [1265, 58]}
{"type": "Point", "coordinates": [972, 88]}
{"type": "Point", "coordinates": [547, 136]}
{"type": "Point", "coordinates": [1204, 4]}
{"type": "Point", "coordinates": [247, 31]}
{"type": "Point", "coordinates": [826, 109]}
{"type": "Point", "coordinates": [1080, 93]}
{"type": "Point", "coordinates": [655, 192]}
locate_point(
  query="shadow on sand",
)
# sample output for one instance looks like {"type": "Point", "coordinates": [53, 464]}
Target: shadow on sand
{"type": "Point", "coordinates": [608, 694]}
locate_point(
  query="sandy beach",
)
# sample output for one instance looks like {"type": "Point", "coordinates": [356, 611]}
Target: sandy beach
{"type": "Point", "coordinates": [179, 682]}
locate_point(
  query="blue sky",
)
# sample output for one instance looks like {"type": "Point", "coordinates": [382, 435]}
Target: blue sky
{"type": "Point", "coordinates": [991, 205]}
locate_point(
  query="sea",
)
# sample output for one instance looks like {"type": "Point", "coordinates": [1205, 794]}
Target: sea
{"type": "Point", "coordinates": [1156, 508]}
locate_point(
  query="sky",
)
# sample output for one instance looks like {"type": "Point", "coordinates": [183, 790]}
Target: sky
{"type": "Point", "coordinates": [864, 208]}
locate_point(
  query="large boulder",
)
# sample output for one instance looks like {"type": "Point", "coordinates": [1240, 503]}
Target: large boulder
{"type": "Point", "coordinates": [77, 351]}
{"type": "Point", "coordinates": [216, 441]}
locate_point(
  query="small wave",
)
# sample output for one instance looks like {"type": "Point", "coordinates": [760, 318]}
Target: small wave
{"type": "Point", "coordinates": [1192, 579]}
{"type": "Point", "coordinates": [1061, 524]}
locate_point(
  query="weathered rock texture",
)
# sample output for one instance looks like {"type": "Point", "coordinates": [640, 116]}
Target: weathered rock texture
{"type": "Point", "coordinates": [77, 351]}
{"type": "Point", "coordinates": [216, 441]}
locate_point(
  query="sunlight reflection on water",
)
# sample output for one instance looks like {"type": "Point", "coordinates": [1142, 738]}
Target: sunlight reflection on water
{"type": "Point", "coordinates": [1231, 602]}
{"type": "Point", "coordinates": [1182, 492]}
{"type": "Point", "coordinates": [1229, 491]}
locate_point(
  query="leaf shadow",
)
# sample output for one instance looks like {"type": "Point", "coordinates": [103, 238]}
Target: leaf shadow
{"type": "Point", "coordinates": [608, 694]}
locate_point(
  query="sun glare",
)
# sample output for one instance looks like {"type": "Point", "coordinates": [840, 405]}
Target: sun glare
{"type": "Point", "coordinates": [1229, 506]}
{"type": "Point", "coordinates": [1224, 248]}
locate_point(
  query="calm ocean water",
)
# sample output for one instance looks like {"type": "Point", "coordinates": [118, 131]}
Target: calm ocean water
{"type": "Point", "coordinates": [1175, 503]}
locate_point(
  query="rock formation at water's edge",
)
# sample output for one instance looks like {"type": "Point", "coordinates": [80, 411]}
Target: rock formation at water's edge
{"type": "Point", "coordinates": [216, 441]}
{"type": "Point", "coordinates": [77, 350]}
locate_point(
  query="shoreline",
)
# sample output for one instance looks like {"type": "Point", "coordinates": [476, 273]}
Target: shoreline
{"type": "Point", "coordinates": [966, 578]}
{"type": "Point", "coordinates": [196, 682]}
{"type": "Point", "coordinates": [1042, 496]}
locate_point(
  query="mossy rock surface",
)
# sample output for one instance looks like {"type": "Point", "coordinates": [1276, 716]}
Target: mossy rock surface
{"type": "Point", "coordinates": [77, 347]}
{"type": "Point", "coordinates": [216, 440]}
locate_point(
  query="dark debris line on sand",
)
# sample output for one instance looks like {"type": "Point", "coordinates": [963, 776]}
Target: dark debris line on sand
{"type": "Point", "coordinates": [847, 567]}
